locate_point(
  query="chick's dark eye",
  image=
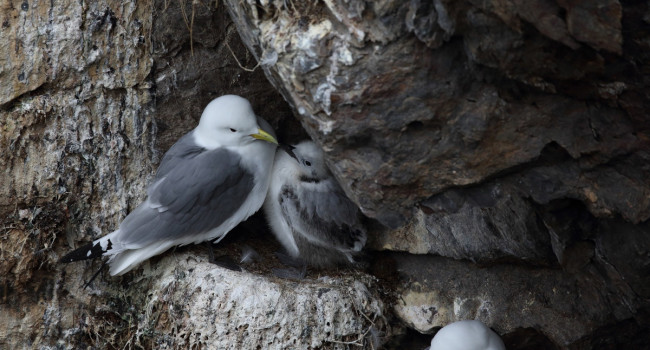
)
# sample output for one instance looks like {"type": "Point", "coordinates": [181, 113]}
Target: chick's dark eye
{"type": "Point", "coordinates": [233, 130]}
{"type": "Point", "coordinates": [307, 163]}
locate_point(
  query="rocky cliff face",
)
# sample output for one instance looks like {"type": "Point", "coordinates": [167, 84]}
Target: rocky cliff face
{"type": "Point", "coordinates": [500, 149]}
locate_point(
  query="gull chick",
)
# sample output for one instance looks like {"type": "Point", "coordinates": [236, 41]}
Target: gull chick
{"type": "Point", "coordinates": [308, 211]}
{"type": "Point", "coordinates": [210, 180]}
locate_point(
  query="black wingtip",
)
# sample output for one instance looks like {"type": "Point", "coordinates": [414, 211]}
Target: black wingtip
{"type": "Point", "coordinates": [88, 251]}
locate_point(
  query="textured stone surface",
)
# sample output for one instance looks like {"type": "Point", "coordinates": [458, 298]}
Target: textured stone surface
{"type": "Point", "coordinates": [473, 93]}
{"type": "Point", "coordinates": [484, 224]}
{"type": "Point", "coordinates": [183, 301]}
{"type": "Point", "coordinates": [71, 145]}
{"type": "Point", "coordinates": [503, 219]}
{"type": "Point", "coordinates": [234, 310]}
{"type": "Point", "coordinates": [78, 137]}
{"type": "Point", "coordinates": [567, 308]}
{"type": "Point", "coordinates": [103, 43]}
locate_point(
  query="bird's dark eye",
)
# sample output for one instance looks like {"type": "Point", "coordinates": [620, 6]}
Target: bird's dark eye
{"type": "Point", "coordinates": [307, 163]}
{"type": "Point", "coordinates": [233, 130]}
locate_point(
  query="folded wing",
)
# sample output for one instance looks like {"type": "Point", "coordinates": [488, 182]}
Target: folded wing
{"type": "Point", "coordinates": [323, 215]}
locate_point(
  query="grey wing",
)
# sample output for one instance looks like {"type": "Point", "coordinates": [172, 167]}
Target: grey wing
{"type": "Point", "coordinates": [183, 149]}
{"type": "Point", "coordinates": [196, 194]}
{"type": "Point", "coordinates": [324, 215]}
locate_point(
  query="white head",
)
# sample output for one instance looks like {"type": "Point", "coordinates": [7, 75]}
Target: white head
{"type": "Point", "coordinates": [311, 160]}
{"type": "Point", "coordinates": [466, 335]}
{"type": "Point", "coordinates": [229, 120]}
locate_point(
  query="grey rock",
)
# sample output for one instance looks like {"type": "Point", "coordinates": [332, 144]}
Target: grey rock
{"type": "Point", "coordinates": [489, 223]}
{"type": "Point", "coordinates": [566, 308]}
{"type": "Point", "coordinates": [190, 302]}
{"type": "Point", "coordinates": [401, 121]}
{"type": "Point", "coordinates": [508, 218]}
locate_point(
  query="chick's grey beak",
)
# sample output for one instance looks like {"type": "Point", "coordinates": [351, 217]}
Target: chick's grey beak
{"type": "Point", "coordinates": [289, 149]}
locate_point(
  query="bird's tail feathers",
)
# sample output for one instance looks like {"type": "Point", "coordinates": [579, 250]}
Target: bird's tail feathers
{"type": "Point", "coordinates": [89, 251]}
{"type": "Point", "coordinates": [127, 259]}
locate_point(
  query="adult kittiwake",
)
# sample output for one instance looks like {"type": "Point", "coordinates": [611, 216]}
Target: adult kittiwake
{"type": "Point", "coordinates": [210, 180]}
{"type": "Point", "coordinates": [308, 211]}
{"type": "Point", "coordinates": [466, 335]}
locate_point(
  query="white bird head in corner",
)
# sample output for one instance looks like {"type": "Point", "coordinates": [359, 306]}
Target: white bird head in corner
{"type": "Point", "coordinates": [229, 121]}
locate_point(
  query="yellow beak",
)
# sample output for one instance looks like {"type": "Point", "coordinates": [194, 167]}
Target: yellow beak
{"type": "Point", "coordinates": [264, 136]}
